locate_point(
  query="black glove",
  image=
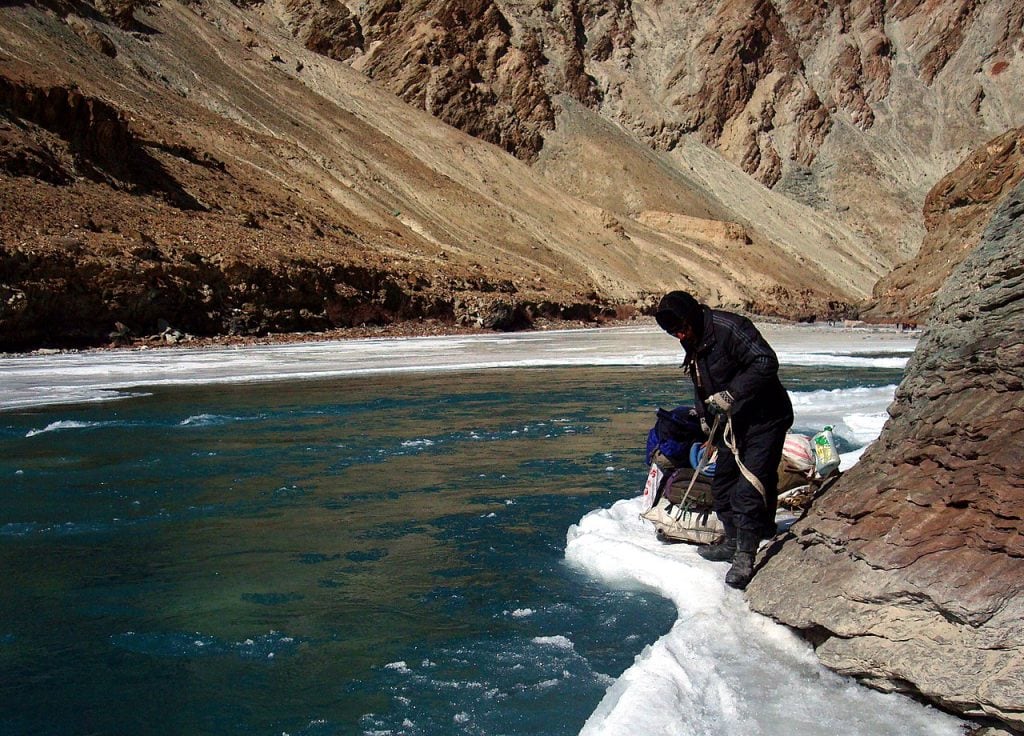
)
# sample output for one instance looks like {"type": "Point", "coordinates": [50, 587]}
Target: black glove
{"type": "Point", "coordinates": [720, 403]}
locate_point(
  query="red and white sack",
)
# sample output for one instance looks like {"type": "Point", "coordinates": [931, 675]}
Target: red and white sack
{"type": "Point", "coordinates": [798, 453]}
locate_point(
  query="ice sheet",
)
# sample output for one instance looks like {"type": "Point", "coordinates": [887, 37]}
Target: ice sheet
{"type": "Point", "coordinates": [62, 378]}
{"type": "Point", "coordinates": [723, 669]}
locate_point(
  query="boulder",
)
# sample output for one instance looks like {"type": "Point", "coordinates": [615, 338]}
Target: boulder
{"type": "Point", "coordinates": [908, 573]}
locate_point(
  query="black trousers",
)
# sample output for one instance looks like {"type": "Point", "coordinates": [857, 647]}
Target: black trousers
{"type": "Point", "coordinates": [738, 503]}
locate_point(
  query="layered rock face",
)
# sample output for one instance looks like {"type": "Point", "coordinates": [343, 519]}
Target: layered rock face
{"type": "Point", "coordinates": [956, 212]}
{"type": "Point", "coordinates": [764, 82]}
{"type": "Point", "coordinates": [908, 573]}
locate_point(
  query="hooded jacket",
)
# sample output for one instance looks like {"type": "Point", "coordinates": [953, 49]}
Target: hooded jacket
{"type": "Point", "coordinates": [731, 355]}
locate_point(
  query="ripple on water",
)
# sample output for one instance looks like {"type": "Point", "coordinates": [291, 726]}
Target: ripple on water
{"type": "Point", "coordinates": [484, 687]}
{"type": "Point", "coordinates": [272, 599]}
{"type": "Point", "coordinates": [181, 644]}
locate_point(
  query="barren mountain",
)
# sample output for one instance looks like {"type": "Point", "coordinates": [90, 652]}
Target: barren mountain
{"type": "Point", "coordinates": [292, 165]}
{"type": "Point", "coordinates": [854, 109]}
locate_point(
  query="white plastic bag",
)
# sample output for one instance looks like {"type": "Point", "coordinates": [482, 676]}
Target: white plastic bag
{"type": "Point", "coordinates": [654, 476]}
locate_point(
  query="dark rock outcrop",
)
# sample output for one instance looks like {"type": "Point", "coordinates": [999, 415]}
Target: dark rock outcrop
{"type": "Point", "coordinates": [77, 297]}
{"type": "Point", "coordinates": [746, 47]}
{"type": "Point", "coordinates": [72, 299]}
{"type": "Point", "coordinates": [908, 573]}
{"type": "Point", "coordinates": [122, 12]}
{"type": "Point", "coordinates": [88, 137]}
{"type": "Point", "coordinates": [326, 27]}
{"type": "Point", "coordinates": [458, 60]}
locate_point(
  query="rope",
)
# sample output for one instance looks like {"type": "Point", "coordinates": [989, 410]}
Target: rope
{"type": "Point", "coordinates": [706, 459]}
{"type": "Point", "coordinates": [729, 437]}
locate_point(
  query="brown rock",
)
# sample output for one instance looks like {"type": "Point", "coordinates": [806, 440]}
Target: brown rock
{"type": "Point", "coordinates": [457, 60]}
{"type": "Point", "coordinates": [97, 40]}
{"type": "Point", "coordinates": [956, 211]}
{"type": "Point", "coordinates": [326, 27]}
{"type": "Point", "coordinates": [122, 12]}
{"type": "Point", "coordinates": [907, 573]}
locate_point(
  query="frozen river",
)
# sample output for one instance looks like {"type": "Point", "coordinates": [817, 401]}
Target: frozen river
{"type": "Point", "coordinates": [395, 536]}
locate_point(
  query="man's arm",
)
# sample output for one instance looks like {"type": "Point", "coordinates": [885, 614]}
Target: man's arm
{"type": "Point", "coordinates": [756, 361]}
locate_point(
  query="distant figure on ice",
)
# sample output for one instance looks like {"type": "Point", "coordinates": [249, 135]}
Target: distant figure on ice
{"type": "Point", "coordinates": [738, 394]}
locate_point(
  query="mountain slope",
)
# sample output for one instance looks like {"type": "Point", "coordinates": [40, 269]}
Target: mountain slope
{"type": "Point", "coordinates": [855, 109]}
{"type": "Point", "coordinates": [249, 168]}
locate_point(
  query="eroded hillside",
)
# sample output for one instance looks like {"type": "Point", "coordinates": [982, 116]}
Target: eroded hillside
{"type": "Point", "coordinates": [263, 167]}
{"type": "Point", "coordinates": [853, 108]}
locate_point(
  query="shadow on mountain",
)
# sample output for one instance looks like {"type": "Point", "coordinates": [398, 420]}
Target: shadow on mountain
{"type": "Point", "coordinates": [58, 134]}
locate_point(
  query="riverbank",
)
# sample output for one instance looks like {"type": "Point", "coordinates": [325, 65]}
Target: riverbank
{"type": "Point", "coordinates": [172, 338]}
{"type": "Point", "coordinates": [42, 378]}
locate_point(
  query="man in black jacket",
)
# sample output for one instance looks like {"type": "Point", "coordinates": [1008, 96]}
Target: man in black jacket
{"type": "Point", "coordinates": [735, 377]}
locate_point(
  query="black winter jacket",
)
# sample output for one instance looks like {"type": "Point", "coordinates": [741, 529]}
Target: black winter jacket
{"type": "Point", "coordinates": [733, 356]}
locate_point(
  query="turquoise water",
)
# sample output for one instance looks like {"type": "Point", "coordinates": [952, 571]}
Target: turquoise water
{"type": "Point", "coordinates": [356, 556]}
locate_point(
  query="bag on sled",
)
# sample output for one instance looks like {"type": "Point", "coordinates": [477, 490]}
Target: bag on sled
{"type": "Point", "coordinates": [675, 501]}
{"type": "Point", "coordinates": [673, 435]}
{"type": "Point", "coordinates": [679, 516]}
{"type": "Point", "coordinates": [667, 480]}
{"type": "Point", "coordinates": [808, 464]}
{"type": "Point", "coordinates": [676, 524]}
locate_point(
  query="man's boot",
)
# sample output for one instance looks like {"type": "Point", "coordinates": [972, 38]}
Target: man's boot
{"type": "Point", "coordinates": [721, 551]}
{"type": "Point", "coordinates": [742, 569]}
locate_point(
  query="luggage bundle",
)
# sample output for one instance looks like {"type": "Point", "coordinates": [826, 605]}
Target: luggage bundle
{"type": "Point", "coordinates": [808, 463]}
{"type": "Point", "coordinates": [686, 520]}
{"type": "Point", "coordinates": [670, 441]}
{"type": "Point", "coordinates": [677, 496]}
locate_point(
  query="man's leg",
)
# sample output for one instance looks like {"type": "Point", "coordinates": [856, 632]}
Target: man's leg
{"type": "Point", "coordinates": [760, 448]}
{"type": "Point", "coordinates": [726, 473]}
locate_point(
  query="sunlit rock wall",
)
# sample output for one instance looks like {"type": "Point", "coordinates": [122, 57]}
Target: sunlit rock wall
{"type": "Point", "coordinates": [909, 572]}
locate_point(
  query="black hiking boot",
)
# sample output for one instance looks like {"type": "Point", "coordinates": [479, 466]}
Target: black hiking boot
{"type": "Point", "coordinates": [720, 551]}
{"type": "Point", "coordinates": [742, 569]}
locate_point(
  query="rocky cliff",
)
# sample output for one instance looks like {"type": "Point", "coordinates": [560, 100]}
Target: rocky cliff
{"type": "Point", "coordinates": [290, 165]}
{"type": "Point", "coordinates": [908, 573]}
{"type": "Point", "coordinates": [956, 212]}
{"type": "Point", "coordinates": [853, 108]}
